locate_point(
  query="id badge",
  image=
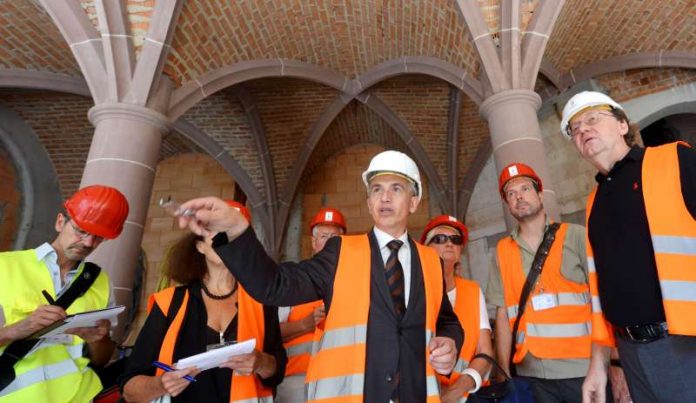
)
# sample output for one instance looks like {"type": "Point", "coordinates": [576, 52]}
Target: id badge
{"type": "Point", "coordinates": [543, 301]}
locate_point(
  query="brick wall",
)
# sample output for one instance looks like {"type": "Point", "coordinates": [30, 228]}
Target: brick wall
{"type": "Point", "coordinates": [9, 201]}
{"type": "Point", "coordinates": [183, 177]}
{"type": "Point", "coordinates": [590, 30]}
{"type": "Point", "coordinates": [628, 84]}
{"type": "Point", "coordinates": [288, 107]}
{"type": "Point", "coordinates": [422, 102]}
{"type": "Point", "coordinates": [36, 42]}
{"type": "Point", "coordinates": [60, 121]}
{"type": "Point", "coordinates": [349, 37]}
{"type": "Point", "coordinates": [338, 183]}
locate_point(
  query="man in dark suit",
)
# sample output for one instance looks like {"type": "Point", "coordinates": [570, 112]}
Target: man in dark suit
{"type": "Point", "coordinates": [389, 325]}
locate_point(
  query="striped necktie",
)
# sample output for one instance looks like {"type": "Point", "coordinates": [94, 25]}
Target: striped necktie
{"type": "Point", "coordinates": [395, 277]}
{"type": "Point", "coordinates": [395, 280]}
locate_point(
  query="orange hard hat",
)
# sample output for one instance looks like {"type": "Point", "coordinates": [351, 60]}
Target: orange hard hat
{"type": "Point", "coordinates": [445, 220]}
{"type": "Point", "coordinates": [330, 216]}
{"type": "Point", "coordinates": [241, 208]}
{"type": "Point", "coordinates": [99, 210]}
{"type": "Point", "coordinates": [515, 170]}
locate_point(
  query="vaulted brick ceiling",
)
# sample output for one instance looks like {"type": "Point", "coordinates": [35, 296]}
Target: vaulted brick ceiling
{"type": "Point", "coordinates": [304, 121]}
{"type": "Point", "coordinates": [591, 30]}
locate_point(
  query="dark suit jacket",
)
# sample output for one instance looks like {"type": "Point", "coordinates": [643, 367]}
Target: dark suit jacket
{"type": "Point", "coordinates": [391, 343]}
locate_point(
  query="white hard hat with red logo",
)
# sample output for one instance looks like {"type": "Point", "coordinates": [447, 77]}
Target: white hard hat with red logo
{"type": "Point", "coordinates": [582, 101]}
{"type": "Point", "coordinates": [393, 163]}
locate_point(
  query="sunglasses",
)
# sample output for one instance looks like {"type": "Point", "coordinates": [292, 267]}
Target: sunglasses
{"type": "Point", "coordinates": [442, 239]}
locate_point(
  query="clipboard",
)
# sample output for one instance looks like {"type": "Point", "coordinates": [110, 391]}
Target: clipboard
{"type": "Point", "coordinates": [213, 358]}
{"type": "Point", "coordinates": [82, 319]}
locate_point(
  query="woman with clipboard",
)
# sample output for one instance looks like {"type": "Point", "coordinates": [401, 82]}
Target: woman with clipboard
{"type": "Point", "coordinates": [209, 310]}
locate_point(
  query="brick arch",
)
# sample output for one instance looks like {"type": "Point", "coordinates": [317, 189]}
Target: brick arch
{"type": "Point", "coordinates": [429, 66]}
{"type": "Point", "coordinates": [38, 182]}
{"type": "Point", "coordinates": [43, 80]}
{"type": "Point", "coordinates": [628, 61]}
{"type": "Point", "coordinates": [647, 109]}
{"type": "Point", "coordinates": [193, 91]}
{"type": "Point", "coordinates": [215, 150]}
{"type": "Point", "coordinates": [318, 129]}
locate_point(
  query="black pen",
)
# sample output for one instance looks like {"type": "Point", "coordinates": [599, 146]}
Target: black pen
{"type": "Point", "coordinates": [48, 297]}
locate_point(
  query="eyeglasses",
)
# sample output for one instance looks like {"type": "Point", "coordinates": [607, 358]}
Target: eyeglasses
{"type": "Point", "coordinates": [82, 235]}
{"type": "Point", "coordinates": [442, 239]}
{"type": "Point", "coordinates": [590, 119]}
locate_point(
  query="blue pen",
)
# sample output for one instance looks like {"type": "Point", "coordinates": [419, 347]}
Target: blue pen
{"type": "Point", "coordinates": [167, 368]}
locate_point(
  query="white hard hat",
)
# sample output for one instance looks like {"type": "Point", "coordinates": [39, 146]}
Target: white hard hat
{"type": "Point", "coordinates": [580, 101]}
{"type": "Point", "coordinates": [394, 162]}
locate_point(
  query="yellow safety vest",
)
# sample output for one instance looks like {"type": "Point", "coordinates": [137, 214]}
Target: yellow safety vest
{"type": "Point", "coordinates": [336, 373]}
{"type": "Point", "coordinates": [52, 372]}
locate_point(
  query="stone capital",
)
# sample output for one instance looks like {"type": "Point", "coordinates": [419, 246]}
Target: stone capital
{"type": "Point", "coordinates": [129, 112]}
{"type": "Point", "coordinates": [506, 98]}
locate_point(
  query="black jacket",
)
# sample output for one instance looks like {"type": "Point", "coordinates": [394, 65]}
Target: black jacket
{"type": "Point", "coordinates": [391, 343]}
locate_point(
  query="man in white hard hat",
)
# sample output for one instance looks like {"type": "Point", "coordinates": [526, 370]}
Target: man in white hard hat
{"type": "Point", "coordinates": [641, 248]}
{"type": "Point", "coordinates": [389, 326]}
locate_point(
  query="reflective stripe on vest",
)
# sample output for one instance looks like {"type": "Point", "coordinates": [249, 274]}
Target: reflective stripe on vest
{"type": "Point", "coordinates": [673, 235]}
{"type": "Point", "coordinates": [560, 331]}
{"type": "Point", "coordinates": [41, 374]}
{"type": "Point", "coordinates": [266, 399]}
{"type": "Point", "coordinates": [337, 387]}
{"type": "Point", "coordinates": [299, 348]}
{"type": "Point", "coordinates": [564, 298]}
{"type": "Point", "coordinates": [244, 388]}
{"type": "Point", "coordinates": [346, 336]}
{"type": "Point", "coordinates": [673, 232]}
{"type": "Point", "coordinates": [432, 386]}
{"type": "Point", "coordinates": [336, 372]}
{"type": "Point", "coordinates": [51, 371]}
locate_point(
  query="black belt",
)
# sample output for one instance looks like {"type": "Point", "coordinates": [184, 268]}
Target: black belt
{"type": "Point", "coordinates": [642, 333]}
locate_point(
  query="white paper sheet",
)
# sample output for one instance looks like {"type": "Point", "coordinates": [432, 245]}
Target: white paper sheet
{"type": "Point", "coordinates": [85, 319]}
{"type": "Point", "coordinates": [213, 358]}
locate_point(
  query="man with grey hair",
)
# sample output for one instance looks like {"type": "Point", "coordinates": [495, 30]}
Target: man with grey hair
{"type": "Point", "coordinates": [641, 232]}
{"type": "Point", "coordinates": [389, 324]}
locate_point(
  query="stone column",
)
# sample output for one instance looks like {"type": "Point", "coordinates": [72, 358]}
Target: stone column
{"type": "Point", "coordinates": [516, 137]}
{"type": "Point", "coordinates": [124, 154]}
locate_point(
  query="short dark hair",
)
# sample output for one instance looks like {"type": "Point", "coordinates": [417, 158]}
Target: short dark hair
{"type": "Point", "coordinates": [183, 262]}
{"type": "Point", "coordinates": [632, 137]}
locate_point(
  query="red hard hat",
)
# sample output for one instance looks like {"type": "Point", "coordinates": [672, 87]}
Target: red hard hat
{"type": "Point", "coordinates": [515, 170]}
{"type": "Point", "coordinates": [241, 208]}
{"type": "Point", "coordinates": [99, 210]}
{"type": "Point", "coordinates": [446, 220]}
{"type": "Point", "coordinates": [328, 215]}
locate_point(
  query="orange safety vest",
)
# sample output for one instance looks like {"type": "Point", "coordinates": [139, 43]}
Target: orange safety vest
{"type": "Point", "coordinates": [673, 233]}
{"type": "Point", "coordinates": [336, 373]}
{"type": "Point", "coordinates": [467, 308]}
{"type": "Point", "coordinates": [299, 349]}
{"type": "Point", "coordinates": [559, 332]}
{"type": "Point", "coordinates": [243, 388]}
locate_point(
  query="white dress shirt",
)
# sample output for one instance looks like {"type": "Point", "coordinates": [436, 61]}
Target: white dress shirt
{"type": "Point", "coordinates": [404, 256]}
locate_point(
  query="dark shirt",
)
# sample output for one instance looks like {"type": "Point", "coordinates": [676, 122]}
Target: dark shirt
{"type": "Point", "coordinates": [392, 345]}
{"type": "Point", "coordinates": [618, 230]}
{"type": "Point", "coordinates": [212, 385]}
